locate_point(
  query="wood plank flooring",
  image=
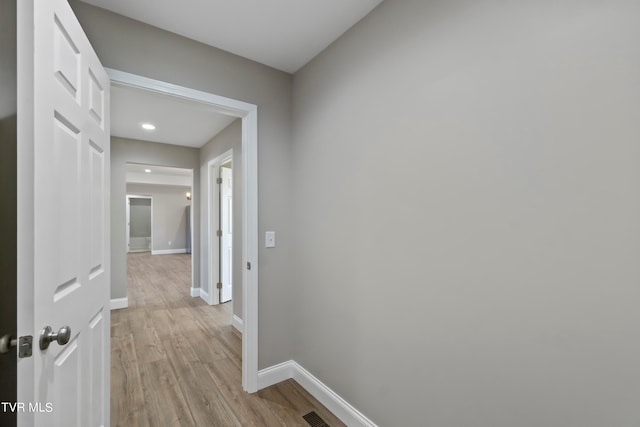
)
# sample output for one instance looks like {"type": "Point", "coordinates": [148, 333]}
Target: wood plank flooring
{"type": "Point", "coordinates": [176, 361]}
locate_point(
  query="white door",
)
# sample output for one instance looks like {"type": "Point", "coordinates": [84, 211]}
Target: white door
{"type": "Point", "coordinates": [226, 240]}
{"type": "Point", "coordinates": [63, 221]}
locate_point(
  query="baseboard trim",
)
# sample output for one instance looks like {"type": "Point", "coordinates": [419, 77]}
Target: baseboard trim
{"type": "Point", "coordinates": [205, 296]}
{"type": "Point", "coordinates": [169, 251]}
{"type": "Point", "coordinates": [336, 404]}
{"type": "Point", "coordinates": [195, 292]}
{"type": "Point", "coordinates": [237, 323]}
{"type": "Point", "coordinates": [118, 303]}
{"type": "Point", "coordinates": [275, 374]}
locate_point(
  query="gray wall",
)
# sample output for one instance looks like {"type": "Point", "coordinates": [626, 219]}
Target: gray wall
{"type": "Point", "coordinates": [131, 46]}
{"type": "Point", "coordinates": [490, 277]}
{"type": "Point", "coordinates": [229, 139]}
{"type": "Point", "coordinates": [488, 274]}
{"type": "Point", "coordinates": [169, 214]}
{"type": "Point", "coordinates": [125, 151]}
{"type": "Point", "coordinates": [8, 203]}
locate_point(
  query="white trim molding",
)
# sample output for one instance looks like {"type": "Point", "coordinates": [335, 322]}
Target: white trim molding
{"type": "Point", "coordinates": [118, 303]}
{"type": "Point", "coordinates": [169, 251]}
{"type": "Point", "coordinates": [206, 296]}
{"type": "Point", "coordinates": [201, 293]}
{"type": "Point", "coordinates": [275, 374]}
{"type": "Point", "coordinates": [336, 404]}
{"type": "Point", "coordinates": [213, 220]}
{"type": "Point", "coordinates": [236, 322]}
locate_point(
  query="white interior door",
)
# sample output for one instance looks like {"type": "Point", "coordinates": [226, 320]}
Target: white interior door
{"type": "Point", "coordinates": [226, 240]}
{"type": "Point", "coordinates": [63, 225]}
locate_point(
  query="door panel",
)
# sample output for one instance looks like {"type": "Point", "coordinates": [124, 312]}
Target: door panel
{"type": "Point", "coordinates": [65, 396]}
{"type": "Point", "coordinates": [66, 59]}
{"type": "Point", "coordinates": [96, 99]}
{"type": "Point", "coordinates": [97, 216]}
{"type": "Point", "coordinates": [63, 228]}
{"type": "Point", "coordinates": [64, 172]}
{"type": "Point", "coordinates": [98, 369]}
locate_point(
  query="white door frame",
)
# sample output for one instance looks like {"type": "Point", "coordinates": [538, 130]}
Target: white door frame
{"type": "Point", "coordinates": [128, 207]}
{"type": "Point", "coordinates": [249, 115]}
{"type": "Point", "coordinates": [213, 218]}
{"type": "Point", "coordinates": [226, 230]}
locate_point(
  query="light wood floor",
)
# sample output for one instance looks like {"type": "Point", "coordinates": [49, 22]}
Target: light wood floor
{"type": "Point", "coordinates": [176, 361]}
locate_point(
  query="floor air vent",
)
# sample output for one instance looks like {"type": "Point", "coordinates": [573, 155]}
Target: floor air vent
{"type": "Point", "coordinates": [314, 420]}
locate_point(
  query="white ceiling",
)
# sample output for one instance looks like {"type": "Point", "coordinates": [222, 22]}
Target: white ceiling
{"type": "Point", "coordinates": [284, 34]}
{"type": "Point", "coordinates": [178, 121]}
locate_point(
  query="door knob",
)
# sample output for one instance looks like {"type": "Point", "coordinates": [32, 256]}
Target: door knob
{"type": "Point", "coordinates": [7, 343]}
{"type": "Point", "coordinates": [47, 336]}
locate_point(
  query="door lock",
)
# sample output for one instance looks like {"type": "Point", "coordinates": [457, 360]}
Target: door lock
{"type": "Point", "coordinates": [47, 336]}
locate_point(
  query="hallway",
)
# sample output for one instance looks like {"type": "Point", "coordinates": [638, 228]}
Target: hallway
{"type": "Point", "coordinates": [176, 361]}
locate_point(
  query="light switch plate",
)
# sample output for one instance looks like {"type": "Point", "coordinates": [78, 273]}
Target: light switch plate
{"type": "Point", "coordinates": [270, 239]}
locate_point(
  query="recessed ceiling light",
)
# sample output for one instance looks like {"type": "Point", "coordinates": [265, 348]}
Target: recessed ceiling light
{"type": "Point", "coordinates": [147, 170]}
{"type": "Point", "coordinates": [148, 126]}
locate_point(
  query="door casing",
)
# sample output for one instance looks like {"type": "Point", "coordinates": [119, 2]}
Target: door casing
{"type": "Point", "coordinates": [226, 238]}
{"type": "Point", "coordinates": [213, 212]}
{"type": "Point", "coordinates": [249, 115]}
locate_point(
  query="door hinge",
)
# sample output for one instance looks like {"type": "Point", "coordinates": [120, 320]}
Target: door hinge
{"type": "Point", "coordinates": [219, 233]}
{"type": "Point", "coordinates": [24, 346]}
{"type": "Point", "coordinates": [219, 285]}
{"type": "Point", "coordinates": [219, 180]}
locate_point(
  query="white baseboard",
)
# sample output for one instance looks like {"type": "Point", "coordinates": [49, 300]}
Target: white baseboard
{"type": "Point", "coordinates": [169, 251]}
{"type": "Point", "coordinates": [237, 323]}
{"type": "Point", "coordinates": [205, 296]}
{"type": "Point", "coordinates": [275, 374]}
{"type": "Point", "coordinates": [199, 292]}
{"type": "Point", "coordinates": [336, 404]}
{"type": "Point", "coordinates": [118, 303]}
{"type": "Point", "coordinates": [138, 251]}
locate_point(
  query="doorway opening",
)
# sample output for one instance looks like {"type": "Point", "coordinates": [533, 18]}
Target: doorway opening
{"type": "Point", "coordinates": [139, 223]}
{"type": "Point", "coordinates": [249, 215]}
{"type": "Point", "coordinates": [158, 211]}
